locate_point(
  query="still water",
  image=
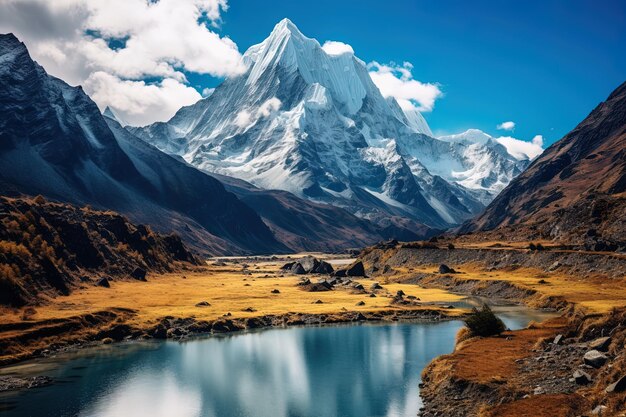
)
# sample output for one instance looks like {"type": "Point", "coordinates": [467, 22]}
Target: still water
{"type": "Point", "coordinates": [349, 370]}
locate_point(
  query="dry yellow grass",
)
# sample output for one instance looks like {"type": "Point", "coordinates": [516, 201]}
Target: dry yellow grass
{"type": "Point", "coordinates": [226, 290]}
{"type": "Point", "coordinates": [595, 294]}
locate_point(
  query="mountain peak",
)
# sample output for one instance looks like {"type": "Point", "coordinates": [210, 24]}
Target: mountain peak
{"type": "Point", "coordinates": [108, 112]}
{"type": "Point", "coordinates": [9, 43]}
{"type": "Point", "coordinates": [284, 27]}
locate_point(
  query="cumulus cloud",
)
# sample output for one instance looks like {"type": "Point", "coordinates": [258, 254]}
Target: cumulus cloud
{"type": "Point", "coordinates": [397, 81]}
{"type": "Point", "coordinates": [506, 126]}
{"type": "Point", "coordinates": [140, 101]}
{"type": "Point", "coordinates": [337, 48]}
{"type": "Point", "coordinates": [243, 119]}
{"type": "Point", "coordinates": [268, 107]}
{"type": "Point", "coordinates": [207, 92]}
{"type": "Point", "coordinates": [521, 149]}
{"type": "Point", "coordinates": [247, 118]}
{"type": "Point", "coordinates": [128, 40]}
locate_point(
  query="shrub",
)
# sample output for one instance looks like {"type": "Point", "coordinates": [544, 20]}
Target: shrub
{"type": "Point", "coordinates": [484, 322]}
{"type": "Point", "coordinates": [450, 246]}
{"type": "Point", "coordinates": [532, 246]}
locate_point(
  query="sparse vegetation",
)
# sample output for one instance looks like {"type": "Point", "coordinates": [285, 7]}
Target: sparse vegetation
{"type": "Point", "coordinates": [44, 246]}
{"type": "Point", "coordinates": [484, 322]}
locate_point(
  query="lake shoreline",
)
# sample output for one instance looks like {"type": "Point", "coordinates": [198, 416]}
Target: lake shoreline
{"type": "Point", "coordinates": [180, 329]}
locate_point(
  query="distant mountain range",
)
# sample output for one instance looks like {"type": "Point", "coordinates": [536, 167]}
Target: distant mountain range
{"type": "Point", "coordinates": [313, 123]}
{"type": "Point", "coordinates": [300, 153]}
{"type": "Point", "coordinates": [575, 191]}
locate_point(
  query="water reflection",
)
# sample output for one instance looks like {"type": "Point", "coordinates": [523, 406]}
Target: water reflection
{"type": "Point", "coordinates": [363, 370]}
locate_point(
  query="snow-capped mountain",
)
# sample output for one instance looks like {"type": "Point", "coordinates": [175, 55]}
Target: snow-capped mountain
{"type": "Point", "coordinates": [55, 142]}
{"type": "Point", "coordinates": [311, 121]}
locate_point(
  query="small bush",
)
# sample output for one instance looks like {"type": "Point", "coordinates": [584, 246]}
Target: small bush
{"type": "Point", "coordinates": [484, 322]}
{"type": "Point", "coordinates": [532, 246]}
{"type": "Point", "coordinates": [451, 246]}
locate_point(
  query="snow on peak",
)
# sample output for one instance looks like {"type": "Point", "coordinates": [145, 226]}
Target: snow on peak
{"type": "Point", "coordinates": [339, 72]}
{"type": "Point", "coordinates": [108, 112]}
{"type": "Point", "coordinates": [337, 48]}
{"type": "Point", "coordinates": [417, 122]}
{"type": "Point", "coordinates": [518, 149]}
{"type": "Point", "coordinates": [470, 136]}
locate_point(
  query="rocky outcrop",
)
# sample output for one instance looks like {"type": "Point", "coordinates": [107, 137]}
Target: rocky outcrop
{"type": "Point", "coordinates": [308, 265]}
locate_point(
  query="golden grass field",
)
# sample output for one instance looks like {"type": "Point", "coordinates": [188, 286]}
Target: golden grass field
{"type": "Point", "coordinates": [226, 289]}
{"type": "Point", "coordinates": [595, 294]}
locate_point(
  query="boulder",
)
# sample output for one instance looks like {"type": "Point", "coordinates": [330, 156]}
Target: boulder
{"type": "Point", "coordinates": [595, 358]}
{"type": "Point", "coordinates": [400, 293]}
{"type": "Point", "coordinates": [158, 332]}
{"type": "Point", "coordinates": [358, 286]}
{"type": "Point", "coordinates": [445, 269]}
{"type": "Point", "coordinates": [139, 274]}
{"type": "Point", "coordinates": [298, 269]}
{"type": "Point", "coordinates": [341, 273]}
{"type": "Point", "coordinates": [275, 291]}
{"type": "Point", "coordinates": [601, 344]}
{"type": "Point", "coordinates": [323, 268]}
{"type": "Point", "coordinates": [203, 304]}
{"type": "Point", "coordinates": [558, 339]}
{"type": "Point", "coordinates": [309, 264]}
{"type": "Point", "coordinates": [320, 286]}
{"type": "Point", "coordinates": [305, 281]}
{"type": "Point", "coordinates": [360, 303]}
{"type": "Point", "coordinates": [356, 270]}
{"type": "Point", "coordinates": [581, 377]}
{"type": "Point", "coordinates": [372, 295]}
{"type": "Point", "coordinates": [103, 282]}
{"type": "Point", "coordinates": [376, 286]}
{"type": "Point", "coordinates": [617, 386]}
{"type": "Point", "coordinates": [318, 302]}
{"type": "Point", "coordinates": [287, 266]}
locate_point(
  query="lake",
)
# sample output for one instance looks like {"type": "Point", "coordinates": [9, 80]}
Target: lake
{"type": "Point", "coordinates": [368, 369]}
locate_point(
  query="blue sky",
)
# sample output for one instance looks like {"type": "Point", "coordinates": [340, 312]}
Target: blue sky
{"type": "Point", "coordinates": [544, 65]}
{"type": "Point", "coordinates": [541, 64]}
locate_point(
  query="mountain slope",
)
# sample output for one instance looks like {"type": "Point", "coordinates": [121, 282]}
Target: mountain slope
{"type": "Point", "coordinates": [308, 226]}
{"type": "Point", "coordinates": [576, 188]}
{"type": "Point", "coordinates": [50, 248]}
{"type": "Point", "coordinates": [313, 123]}
{"type": "Point", "coordinates": [55, 142]}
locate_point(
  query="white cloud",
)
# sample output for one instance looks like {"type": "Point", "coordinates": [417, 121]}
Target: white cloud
{"type": "Point", "coordinates": [129, 40]}
{"type": "Point", "coordinates": [337, 48]}
{"type": "Point", "coordinates": [268, 107]}
{"type": "Point", "coordinates": [522, 149]}
{"type": "Point", "coordinates": [246, 118]}
{"type": "Point", "coordinates": [397, 81]}
{"type": "Point", "coordinates": [243, 119]}
{"type": "Point", "coordinates": [140, 103]}
{"type": "Point", "coordinates": [207, 92]}
{"type": "Point", "coordinates": [506, 126]}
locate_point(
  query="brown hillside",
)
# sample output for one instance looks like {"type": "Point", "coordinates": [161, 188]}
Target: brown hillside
{"type": "Point", "coordinates": [48, 248]}
{"type": "Point", "coordinates": [575, 189]}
